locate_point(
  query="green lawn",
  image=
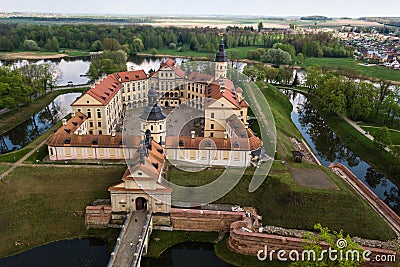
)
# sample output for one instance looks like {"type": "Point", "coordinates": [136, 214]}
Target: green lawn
{"type": "Point", "coordinates": [394, 135]}
{"type": "Point", "coordinates": [283, 203]}
{"type": "Point", "coordinates": [39, 204]}
{"type": "Point", "coordinates": [375, 72]}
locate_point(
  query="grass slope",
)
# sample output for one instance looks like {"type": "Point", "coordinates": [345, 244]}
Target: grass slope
{"type": "Point", "coordinates": [39, 204]}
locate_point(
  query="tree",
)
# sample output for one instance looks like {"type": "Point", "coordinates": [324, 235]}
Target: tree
{"type": "Point", "coordinates": [277, 57]}
{"type": "Point", "coordinates": [96, 46]}
{"type": "Point", "coordinates": [382, 137]}
{"type": "Point", "coordinates": [111, 44]}
{"type": "Point", "coordinates": [260, 26]}
{"type": "Point", "coordinates": [137, 45]}
{"type": "Point", "coordinates": [336, 241]}
{"type": "Point", "coordinates": [153, 51]}
{"type": "Point", "coordinates": [172, 46]}
{"type": "Point", "coordinates": [300, 58]}
{"type": "Point", "coordinates": [52, 44]}
{"type": "Point", "coordinates": [30, 45]}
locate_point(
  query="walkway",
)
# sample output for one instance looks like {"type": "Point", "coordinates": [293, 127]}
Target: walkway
{"type": "Point", "coordinates": [361, 130]}
{"type": "Point", "coordinates": [21, 161]}
{"type": "Point", "coordinates": [377, 204]}
{"type": "Point", "coordinates": [125, 254]}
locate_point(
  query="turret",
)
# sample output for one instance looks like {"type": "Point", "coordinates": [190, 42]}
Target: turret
{"type": "Point", "coordinates": [221, 62]}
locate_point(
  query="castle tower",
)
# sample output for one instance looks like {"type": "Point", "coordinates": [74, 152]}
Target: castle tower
{"type": "Point", "coordinates": [153, 119]}
{"type": "Point", "coordinates": [221, 63]}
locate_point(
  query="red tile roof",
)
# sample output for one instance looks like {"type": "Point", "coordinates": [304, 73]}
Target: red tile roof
{"type": "Point", "coordinates": [245, 144]}
{"type": "Point", "coordinates": [128, 76]}
{"type": "Point", "coordinates": [214, 92]}
{"type": "Point", "coordinates": [106, 89]}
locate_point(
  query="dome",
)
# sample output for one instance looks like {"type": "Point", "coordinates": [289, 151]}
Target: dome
{"type": "Point", "coordinates": [221, 54]}
{"type": "Point", "coordinates": [153, 112]}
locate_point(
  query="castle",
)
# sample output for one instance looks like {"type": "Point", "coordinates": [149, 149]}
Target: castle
{"type": "Point", "coordinates": [218, 136]}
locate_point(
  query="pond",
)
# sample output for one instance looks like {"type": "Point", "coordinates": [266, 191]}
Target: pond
{"type": "Point", "coordinates": [328, 148]}
{"type": "Point", "coordinates": [67, 253]}
{"type": "Point", "coordinates": [32, 128]}
{"type": "Point", "coordinates": [191, 254]}
{"type": "Point", "coordinates": [65, 70]}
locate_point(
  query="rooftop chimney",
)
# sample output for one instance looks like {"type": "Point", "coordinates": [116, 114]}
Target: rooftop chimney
{"type": "Point", "coordinates": [73, 114]}
{"type": "Point", "coordinates": [225, 135]}
{"type": "Point", "coordinates": [193, 133]}
{"type": "Point", "coordinates": [113, 133]}
{"type": "Point", "coordinates": [64, 122]}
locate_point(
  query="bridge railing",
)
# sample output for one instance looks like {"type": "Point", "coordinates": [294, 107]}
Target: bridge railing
{"type": "Point", "coordinates": [142, 239]}
{"type": "Point", "coordinates": [120, 237]}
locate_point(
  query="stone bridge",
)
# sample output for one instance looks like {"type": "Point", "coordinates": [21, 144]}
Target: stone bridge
{"type": "Point", "coordinates": [133, 240]}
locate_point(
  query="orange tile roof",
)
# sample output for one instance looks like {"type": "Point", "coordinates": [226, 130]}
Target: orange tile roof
{"type": "Point", "coordinates": [72, 124]}
{"type": "Point", "coordinates": [129, 76]}
{"type": "Point", "coordinates": [245, 144]}
{"type": "Point", "coordinates": [214, 92]}
{"type": "Point", "coordinates": [74, 140]}
{"type": "Point", "coordinates": [106, 89]}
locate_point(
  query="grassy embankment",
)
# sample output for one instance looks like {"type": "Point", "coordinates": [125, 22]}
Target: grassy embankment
{"type": "Point", "coordinates": [367, 72]}
{"type": "Point", "coordinates": [12, 119]}
{"type": "Point", "coordinates": [281, 201]}
{"type": "Point", "coordinates": [394, 134]}
{"type": "Point", "coordinates": [39, 205]}
{"type": "Point", "coordinates": [380, 159]}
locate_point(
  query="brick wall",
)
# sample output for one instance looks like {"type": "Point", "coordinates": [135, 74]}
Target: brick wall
{"type": "Point", "coordinates": [203, 220]}
{"type": "Point", "coordinates": [250, 243]}
{"type": "Point", "coordinates": [97, 216]}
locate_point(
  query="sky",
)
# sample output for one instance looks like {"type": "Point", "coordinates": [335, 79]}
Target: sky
{"type": "Point", "coordinates": [331, 8]}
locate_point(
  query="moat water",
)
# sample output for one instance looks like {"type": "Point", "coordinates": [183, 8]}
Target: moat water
{"type": "Point", "coordinates": [35, 126]}
{"type": "Point", "coordinates": [95, 253]}
{"type": "Point", "coordinates": [328, 148]}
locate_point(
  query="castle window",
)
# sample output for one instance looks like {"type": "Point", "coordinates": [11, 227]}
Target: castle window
{"type": "Point", "coordinates": [99, 124]}
{"type": "Point", "coordinates": [100, 132]}
{"type": "Point", "coordinates": [89, 114]}
{"type": "Point", "coordinates": [91, 124]}
{"type": "Point", "coordinates": [212, 126]}
{"type": "Point", "coordinates": [212, 115]}
{"type": "Point", "coordinates": [211, 134]}
{"type": "Point", "coordinates": [98, 114]}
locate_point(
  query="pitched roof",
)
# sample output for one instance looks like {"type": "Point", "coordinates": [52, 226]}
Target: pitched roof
{"type": "Point", "coordinates": [106, 89]}
{"type": "Point", "coordinates": [214, 92]}
{"type": "Point", "coordinates": [199, 77]}
{"type": "Point", "coordinates": [128, 76]}
{"type": "Point", "coordinates": [239, 144]}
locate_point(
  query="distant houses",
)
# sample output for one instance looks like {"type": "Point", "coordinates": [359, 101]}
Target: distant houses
{"type": "Point", "coordinates": [382, 49]}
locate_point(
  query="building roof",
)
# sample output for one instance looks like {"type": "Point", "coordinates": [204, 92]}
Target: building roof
{"type": "Point", "coordinates": [74, 140]}
{"type": "Point", "coordinates": [128, 76]}
{"type": "Point", "coordinates": [170, 63]}
{"type": "Point", "coordinates": [214, 92]}
{"type": "Point", "coordinates": [107, 88]}
{"type": "Point", "coordinates": [153, 111]}
{"type": "Point", "coordinates": [239, 144]}
{"type": "Point", "coordinates": [200, 77]}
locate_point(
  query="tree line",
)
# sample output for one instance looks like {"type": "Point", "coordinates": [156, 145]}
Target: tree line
{"type": "Point", "coordinates": [19, 86]}
{"type": "Point", "coordinates": [91, 37]}
{"type": "Point", "coordinates": [359, 100]}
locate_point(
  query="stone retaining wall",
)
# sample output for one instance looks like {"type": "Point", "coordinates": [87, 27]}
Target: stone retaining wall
{"type": "Point", "coordinates": [250, 243]}
{"type": "Point", "coordinates": [97, 216]}
{"type": "Point", "coordinates": [204, 220]}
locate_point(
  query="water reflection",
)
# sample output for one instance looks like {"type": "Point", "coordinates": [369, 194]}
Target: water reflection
{"type": "Point", "coordinates": [187, 254]}
{"type": "Point", "coordinates": [39, 123]}
{"type": "Point", "coordinates": [67, 253]}
{"type": "Point", "coordinates": [65, 70]}
{"type": "Point", "coordinates": [329, 148]}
